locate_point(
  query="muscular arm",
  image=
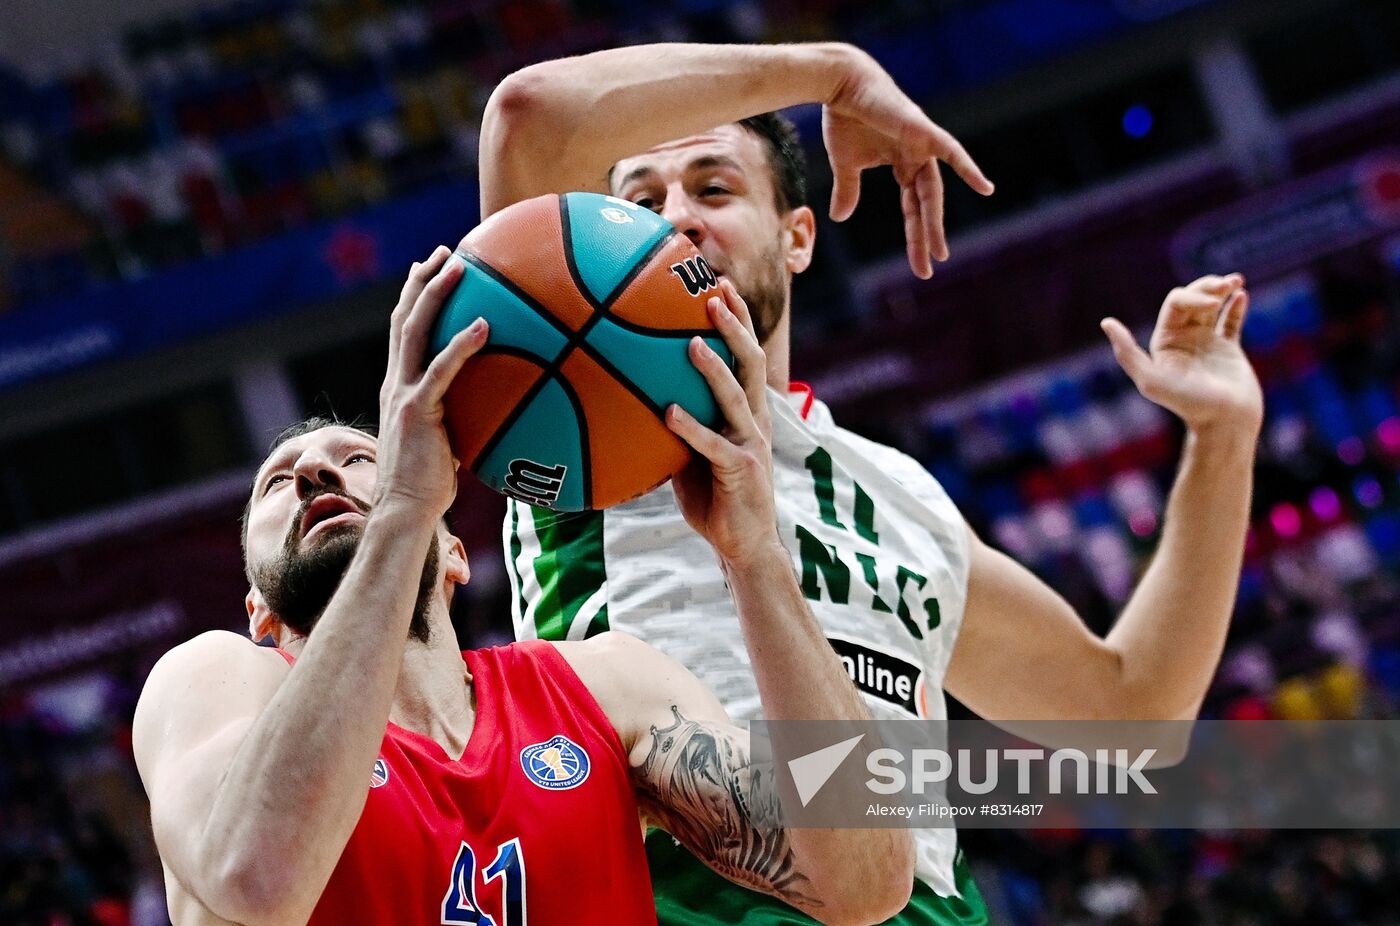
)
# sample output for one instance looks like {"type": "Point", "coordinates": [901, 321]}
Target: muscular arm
{"type": "Point", "coordinates": [695, 779]}
{"type": "Point", "coordinates": [560, 125]}
{"type": "Point", "coordinates": [1024, 654]}
{"type": "Point", "coordinates": [257, 775]}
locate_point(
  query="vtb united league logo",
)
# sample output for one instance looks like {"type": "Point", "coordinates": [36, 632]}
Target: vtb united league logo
{"type": "Point", "coordinates": [696, 274]}
{"type": "Point", "coordinates": [380, 776]}
{"type": "Point", "coordinates": [557, 764]}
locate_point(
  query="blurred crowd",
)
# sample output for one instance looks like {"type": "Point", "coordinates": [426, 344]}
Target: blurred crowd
{"type": "Point", "coordinates": [1067, 468]}
{"type": "Point", "coordinates": [1191, 878]}
{"type": "Point", "coordinates": [192, 135]}
{"type": "Point", "coordinates": [74, 841]}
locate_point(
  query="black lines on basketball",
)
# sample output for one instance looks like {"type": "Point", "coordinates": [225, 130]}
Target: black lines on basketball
{"type": "Point", "coordinates": [585, 455]}
{"type": "Point", "coordinates": [517, 292]}
{"type": "Point", "coordinates": [505, 418]}
{"type": "Point", "coordinates": [623, 380]}
{"type": "Point", "coordinates": [636, 268]}
{"type": "Point", "coordinates": [567, 233]}
{"type": "Point", "coordinates": [514, 415]}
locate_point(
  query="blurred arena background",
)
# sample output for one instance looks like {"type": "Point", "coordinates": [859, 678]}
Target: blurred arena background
{"type": "Point", "coordinates": [206, 210]}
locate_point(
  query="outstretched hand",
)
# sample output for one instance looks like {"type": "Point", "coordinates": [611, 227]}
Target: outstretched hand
{"type": "Point", "coordinates": [870, 122]}
{"type": "Point", "coordinates": [1195, 366]}
{"type": "Point", "coordinates": [726, 493]}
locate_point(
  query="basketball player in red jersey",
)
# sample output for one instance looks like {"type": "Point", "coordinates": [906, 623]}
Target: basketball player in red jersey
{"type": "Point", "coordinates": [368, 772]}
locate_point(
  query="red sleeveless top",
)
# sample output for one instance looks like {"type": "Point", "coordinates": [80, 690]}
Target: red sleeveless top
{"type": "Point", "coordinates": [535, 824]}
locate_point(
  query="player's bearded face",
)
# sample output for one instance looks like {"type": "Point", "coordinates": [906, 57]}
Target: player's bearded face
{"type": "Point", "coordinates": [762, 282]}
{"type": "Point", "coordinates": [298, 581]}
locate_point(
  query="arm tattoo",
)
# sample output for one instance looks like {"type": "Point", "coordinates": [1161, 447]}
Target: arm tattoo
{"type": "Point", "coordinates": [700, 785]}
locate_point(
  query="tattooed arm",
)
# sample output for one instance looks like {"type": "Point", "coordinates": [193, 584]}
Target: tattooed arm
{"type": "Point", "coordinates": [698, 783]}
{"type": "Point", "coordinates": [695, 779]}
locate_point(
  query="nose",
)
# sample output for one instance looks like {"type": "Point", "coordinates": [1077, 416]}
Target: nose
{"type": "Point", "coordinates": [681, 212]}
{"type": "Point", "coordinates": [314, 473]}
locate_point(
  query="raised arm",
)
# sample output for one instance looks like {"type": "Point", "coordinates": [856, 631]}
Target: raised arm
{"type": "Point", "coordinates": [560, 125]}
{"type": "Point", "coordinates": [257, 773]}
{"type": "Point", "coordinates": [837, 875]}
{"type": "Point", "coordinates": [1024, 654]}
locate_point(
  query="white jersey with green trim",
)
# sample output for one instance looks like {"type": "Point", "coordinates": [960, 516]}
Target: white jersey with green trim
{"type": "Point", "coordinates": [881, 551]}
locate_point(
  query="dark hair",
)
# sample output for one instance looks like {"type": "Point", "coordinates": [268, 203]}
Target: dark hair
{"type": "Point", "coordinates": [305, 426]}
{"type": "Point", "coordinates": [786, 159]}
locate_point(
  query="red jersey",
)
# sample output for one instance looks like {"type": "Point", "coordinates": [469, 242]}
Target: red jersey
{"type": "Point", "coordinates": [536, 822]}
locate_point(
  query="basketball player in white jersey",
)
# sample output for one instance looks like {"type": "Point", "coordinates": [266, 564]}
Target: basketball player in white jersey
{"type": "Point", "coordinates": [913, 601]}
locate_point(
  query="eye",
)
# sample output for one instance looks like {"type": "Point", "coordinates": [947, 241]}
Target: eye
{"type": "Point", "coordinates": [357, 457]}
{"type": "Point", "coordinates": [273, 480]}
{"type": "Point", "coordinates": [713, 190]}
{"type": "Point", "coordinates": [646, 202]}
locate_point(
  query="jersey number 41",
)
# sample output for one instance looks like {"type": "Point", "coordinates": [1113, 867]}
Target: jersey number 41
{"type": "Point", "coordinates": [460, 904]}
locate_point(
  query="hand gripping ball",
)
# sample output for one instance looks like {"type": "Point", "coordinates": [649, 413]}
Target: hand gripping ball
{"type": "Point", "coordinates": [592, 302]}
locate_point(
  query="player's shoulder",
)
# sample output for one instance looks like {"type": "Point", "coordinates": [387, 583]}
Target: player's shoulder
{"type": "Point", "coordinates": [629, 678]}
{"type": "Point", "coordinates": [885, 456]}
{"type": "Point", "coordinates": [890, 461]}
{"type": "Point", "coordinates": [214, 653]}
{"type": "Point", "coordinates": [618, 668]}
{"type": "Point", "coordinates": [610, 658]}
{"type": "Point", "coordinates": [206, 669]}
{"type": "Point", "coordinates": [617, 664]}
{"type": "Point", "coordinates": [196, 689]}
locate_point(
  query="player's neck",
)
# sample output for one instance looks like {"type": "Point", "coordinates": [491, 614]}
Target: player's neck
{"type": "Point", "coordinates": [778, 349]}
{"type": "Point", "coordinates": [433, 696]}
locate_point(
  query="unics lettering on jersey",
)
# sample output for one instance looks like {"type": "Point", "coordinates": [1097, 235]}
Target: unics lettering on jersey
{"type": "Point", "coordinates": [826, 563]}
{"type": "Point", "coordinates": [696, 274]}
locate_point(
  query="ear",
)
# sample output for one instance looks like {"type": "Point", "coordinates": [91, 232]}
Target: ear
{"type": "Point", "coordinates": [261, 621]}
{"type": "Point", "coordinates": [799, 238]}
{"type": "Point", "coordinates": [456, 570]}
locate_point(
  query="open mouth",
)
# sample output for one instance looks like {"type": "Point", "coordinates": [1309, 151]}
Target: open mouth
{"type": "Point", "coordinates": [327, 510]}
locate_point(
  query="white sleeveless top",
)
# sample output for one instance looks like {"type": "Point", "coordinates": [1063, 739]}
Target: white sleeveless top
{"type": "Point", "coordinates": [880, 549]}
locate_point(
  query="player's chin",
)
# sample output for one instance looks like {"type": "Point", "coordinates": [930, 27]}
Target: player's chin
{"type": "Point", "coordinates": [339, 530]}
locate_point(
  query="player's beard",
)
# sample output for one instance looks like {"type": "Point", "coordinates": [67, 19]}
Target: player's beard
{"type": "Point", "coordinates": [765, 290]}
{"type": "Point", "coordinates": [297, 583]}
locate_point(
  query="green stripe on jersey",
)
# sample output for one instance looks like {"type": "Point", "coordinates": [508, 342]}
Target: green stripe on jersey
{"type": "Point", "coordinates": [690, 894]}
{"type": "Point", "coordinates": [513, 563]}
{"type": "Point", "coordinates": [570, 572]}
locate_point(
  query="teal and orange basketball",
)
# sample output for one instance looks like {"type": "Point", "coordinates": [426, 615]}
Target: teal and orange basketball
{"type": "Point", "coordinates": [592, 302]}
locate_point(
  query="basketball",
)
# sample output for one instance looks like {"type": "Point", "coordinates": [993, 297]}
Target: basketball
{"type": "Point", "coordinates": [592, 302]}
